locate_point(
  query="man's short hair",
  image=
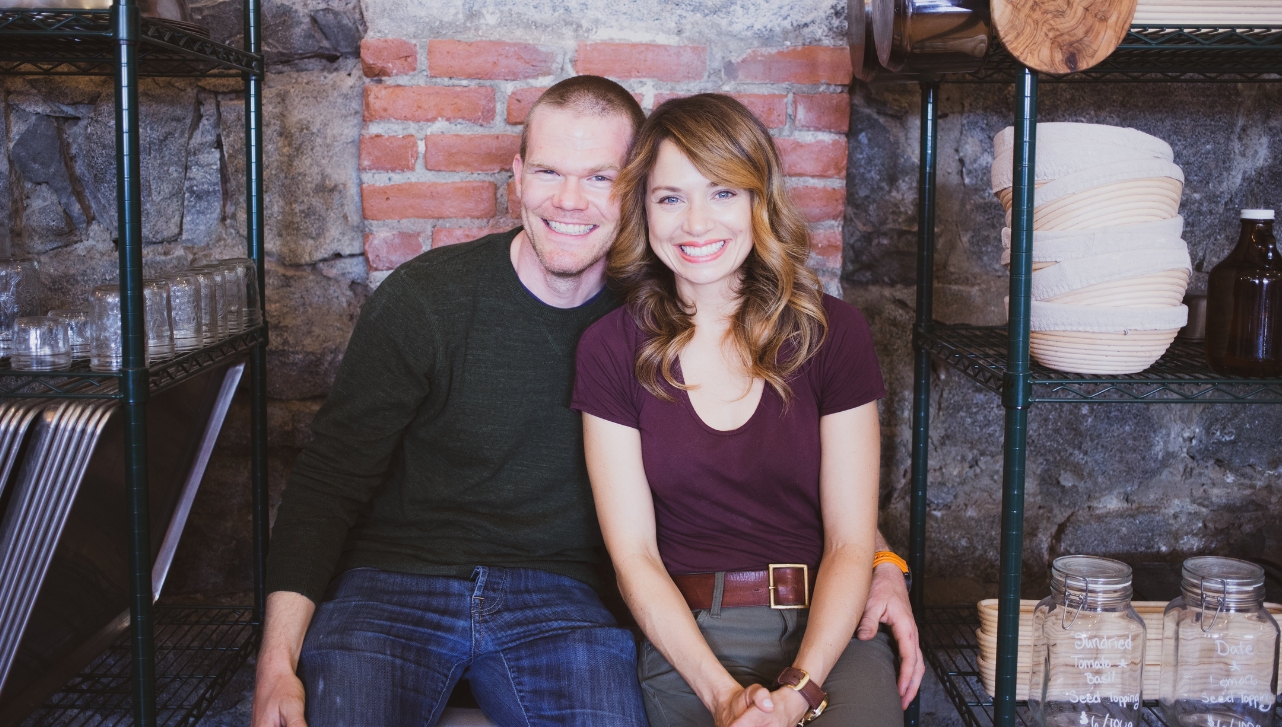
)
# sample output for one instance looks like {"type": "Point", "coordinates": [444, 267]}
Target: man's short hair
{"type": "Point", "coordinates": [588, 95]}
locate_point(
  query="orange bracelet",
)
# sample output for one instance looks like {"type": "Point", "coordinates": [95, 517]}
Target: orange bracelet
{"type": "Point", "coordinates": [886, 556]}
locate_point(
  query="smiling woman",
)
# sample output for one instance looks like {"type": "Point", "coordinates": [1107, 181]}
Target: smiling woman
{"type": "Point", "coordinates": [731, 435]}
{"type": "Point", "coordinates": [704, 176]}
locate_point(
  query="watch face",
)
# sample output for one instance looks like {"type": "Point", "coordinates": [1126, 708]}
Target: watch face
{"type": "Point", "coordinates": [813, 714]}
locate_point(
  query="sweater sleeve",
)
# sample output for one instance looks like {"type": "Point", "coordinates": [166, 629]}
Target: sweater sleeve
{"type": "Point", "coordinates": [382, 381]}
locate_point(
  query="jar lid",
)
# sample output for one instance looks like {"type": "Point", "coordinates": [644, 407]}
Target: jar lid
{"type": "Point", "coordinates": [1093, 579]}
{"type": "Point", "coordinates": [1257, 214]}
{"type": "Point", "coordinates": [1228, 578]}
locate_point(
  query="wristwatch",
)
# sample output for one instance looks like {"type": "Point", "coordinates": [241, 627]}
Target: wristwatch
{"type": "Point", "coordinates": [798, 679]}
{"type": "Point", "coordinates": [888, 556]}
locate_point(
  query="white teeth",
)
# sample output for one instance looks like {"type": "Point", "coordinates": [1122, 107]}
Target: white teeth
{"type": "Point", "coordinates": [702, 250]}
{"type": "Point", "coordinates": [568, 229]}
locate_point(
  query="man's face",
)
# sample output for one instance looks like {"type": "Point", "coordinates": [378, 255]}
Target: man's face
{"type": "Point", "coordinates": [564, 183]}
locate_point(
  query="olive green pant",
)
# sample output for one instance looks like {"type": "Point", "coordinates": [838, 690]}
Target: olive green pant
{"type": "Point", "coordinates": [754, 644]}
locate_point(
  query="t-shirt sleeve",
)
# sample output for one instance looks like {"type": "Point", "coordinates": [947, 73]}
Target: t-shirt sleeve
{"type": "Point", "coordinates": [846, 372]}
{"type": "Point", "coordinates": [605, 380]}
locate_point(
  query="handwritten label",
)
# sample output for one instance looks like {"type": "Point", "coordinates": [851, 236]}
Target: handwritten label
{"type": "Point", "coordinates": [1224, 648]}
{"type": "Point", "coordinates": [1086, 641]}
{"type": "Point", "coordinates": [1092, 720]}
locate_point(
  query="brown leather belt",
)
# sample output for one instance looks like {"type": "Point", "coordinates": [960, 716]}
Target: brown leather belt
{"type": "Point", "coordinates": [780, 586]}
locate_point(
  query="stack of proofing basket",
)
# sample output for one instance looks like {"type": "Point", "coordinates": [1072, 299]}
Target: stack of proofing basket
{"type": "Point", "coordinates": [1109, 265]}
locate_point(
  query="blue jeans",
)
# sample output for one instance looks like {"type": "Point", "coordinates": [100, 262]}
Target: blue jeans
{"type": "Point", "coordinates": [386, 649]}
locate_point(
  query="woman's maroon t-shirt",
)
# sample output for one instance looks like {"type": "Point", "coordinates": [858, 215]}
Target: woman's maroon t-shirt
{"type": "Point", "coordinates": [740, 499]}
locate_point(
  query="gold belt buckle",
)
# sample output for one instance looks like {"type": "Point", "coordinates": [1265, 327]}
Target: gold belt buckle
{"type": "Point", "coordinates": [805, 585]}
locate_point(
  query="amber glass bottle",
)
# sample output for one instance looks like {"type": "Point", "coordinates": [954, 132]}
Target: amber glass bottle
{"type": "Point", "coordinates": [1244, 303]}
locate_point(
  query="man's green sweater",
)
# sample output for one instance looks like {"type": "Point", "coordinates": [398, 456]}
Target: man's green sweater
{"type": "Point", "coordinates": [447, 441]}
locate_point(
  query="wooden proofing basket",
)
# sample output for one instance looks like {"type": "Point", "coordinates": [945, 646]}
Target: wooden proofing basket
{"type": "Point", "coordinates": [1150, 611]}
{"type": "Point", "coordinates": [1129, 202]}
{"type": "Point", "coordinates": [1101, 339]}
{"type": "Point", "coordinates": [1161, 288]}
{"type": "Point", "coordinates": [1089, 352]}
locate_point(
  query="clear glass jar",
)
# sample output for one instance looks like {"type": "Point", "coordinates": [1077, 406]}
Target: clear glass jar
{"type": "Point", "coordinates": [1219, 647]}
{"type": "Point", "coordinates": [1088, 647]}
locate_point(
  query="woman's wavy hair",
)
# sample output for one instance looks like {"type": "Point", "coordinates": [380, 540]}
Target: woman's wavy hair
{"type": "Point", "coordinates": [780, 322]}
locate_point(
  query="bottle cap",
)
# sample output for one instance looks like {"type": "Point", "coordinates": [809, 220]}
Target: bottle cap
{"type": "Point", "coordinates": [1257, 214]}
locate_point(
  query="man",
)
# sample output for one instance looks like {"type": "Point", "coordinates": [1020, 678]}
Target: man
{"type": "Point", "coordinates": [440, 525]}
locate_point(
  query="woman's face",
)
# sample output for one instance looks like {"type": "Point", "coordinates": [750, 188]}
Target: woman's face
{"type": "Point", "coordinates": [700, 229]}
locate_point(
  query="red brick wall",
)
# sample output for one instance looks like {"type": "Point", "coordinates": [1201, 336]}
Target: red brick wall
{"type": "Point", "coordinates": [442, 122]}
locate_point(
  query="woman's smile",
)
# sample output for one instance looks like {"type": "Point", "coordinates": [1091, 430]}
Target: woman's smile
{"type": "Point", "coordinates": [702, 252]}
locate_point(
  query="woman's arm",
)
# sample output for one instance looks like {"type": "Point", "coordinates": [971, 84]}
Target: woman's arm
{"type": "Point", "coordinates": [850, 443]}
{"type": "Point", "coordinates": [625, 509]}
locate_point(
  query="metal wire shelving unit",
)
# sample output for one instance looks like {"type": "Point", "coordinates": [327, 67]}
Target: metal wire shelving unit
{"type": "Point", "coordinates": [82, 43]}
{"type": "Point", "coordinates": [198, 650]}
{"type": "Point", "coordinates": [1153, 53]}
{"type": "Point", "coordinates": [173, 661]}
{"type": "Point", "coordinates": [1180, 376]}
{"type": "Point", "coordinates": [997, 358]}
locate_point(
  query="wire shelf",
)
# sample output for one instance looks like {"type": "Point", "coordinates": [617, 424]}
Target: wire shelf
{"type": "Point", "coordinates": [949, 643]}
{"type": "Point", "coordinates": [1180, 376]}
{"type": "Point", "coordinates": [82, 43]}
{"type": "Point", "coordinates": [1151, 53]}
{"type": "Point", "coordinates": [79, 382]}
{"type": "Point", "coordinates": [198, 650]}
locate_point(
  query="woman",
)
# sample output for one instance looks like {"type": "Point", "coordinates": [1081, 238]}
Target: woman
{"type": "Point", "coordinates": [730, 424]}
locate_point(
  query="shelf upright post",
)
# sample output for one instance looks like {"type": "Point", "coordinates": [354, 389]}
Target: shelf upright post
{"type": "Point", "coordinates": [921, 362]}
{"type": "Point", "coordinates": [258, 357]}
{"type": "Point", "coordinates": [134, 381]}
{"type": "Point", "coordinates": [1017, 392]}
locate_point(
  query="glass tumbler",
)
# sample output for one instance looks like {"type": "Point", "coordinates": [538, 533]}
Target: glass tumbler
{"type": "Point", "coordinates": [104, 316]}
{"type": "Point", "coordinates": [186, 314]}
{"type": "Point", "coordinates": [233, 297]}
{"type": "Point", "coordinates": [78, 328]}
{"type": "Point", "coordinates": [1219, 647]}
{"type": "Point", "coordinates": [158, 320]}
{"type": "Point", "coordinates": [20, 293]}
{"type": "Point", "coordinates": [247, 282]}
{"type": "Point", "coordinates": [1088, 647]}
{"type": "Point", "coordinates": [213, 311]}
{"type": "Point", "coordinates": [40, 343]}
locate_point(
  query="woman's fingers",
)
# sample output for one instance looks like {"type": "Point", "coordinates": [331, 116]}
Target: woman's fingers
{"type": "Point", "coordinates": [759, 697]}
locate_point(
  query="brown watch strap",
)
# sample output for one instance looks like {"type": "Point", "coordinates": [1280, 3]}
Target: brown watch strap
{"type": "Point", "coordinates": [800, 681]}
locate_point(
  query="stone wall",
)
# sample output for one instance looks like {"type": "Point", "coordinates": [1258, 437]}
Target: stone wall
{"type": "Point", "coordinates": [1158, 481]}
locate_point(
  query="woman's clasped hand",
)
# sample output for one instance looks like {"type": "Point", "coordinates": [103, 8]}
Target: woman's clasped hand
{"type": "Point", "coordinates": [756, 706]}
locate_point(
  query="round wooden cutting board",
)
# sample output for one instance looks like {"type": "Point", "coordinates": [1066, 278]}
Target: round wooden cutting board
{"type": "Point", "coordinates": [1062, 36]}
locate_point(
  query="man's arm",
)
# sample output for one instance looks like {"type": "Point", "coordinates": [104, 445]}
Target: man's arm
{"type": "Point", "coordinates": [278, 693]}
{"type": "Point", "coordinates": [888, 603]}
{"type": "Point", "coordinates": [379, 389]}
{"type": "Point", "coordinates": [381, 384]}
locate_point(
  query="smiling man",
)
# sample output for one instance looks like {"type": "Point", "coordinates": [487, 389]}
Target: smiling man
{"type": "Point", "coordinates": [440, 526]}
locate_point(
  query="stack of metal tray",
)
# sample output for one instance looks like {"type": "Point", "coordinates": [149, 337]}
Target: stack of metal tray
{"type": "Point", "coordinates": [63, 587]}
